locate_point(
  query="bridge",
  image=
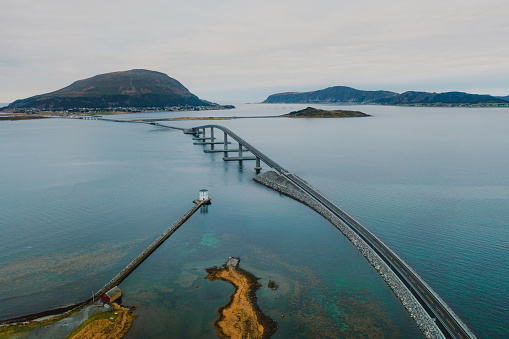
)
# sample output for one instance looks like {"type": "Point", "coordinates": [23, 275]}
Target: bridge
{"type": "Point", "coordinates": [244, 146]}
{"type": "Point", "coordinates": [448, 322]}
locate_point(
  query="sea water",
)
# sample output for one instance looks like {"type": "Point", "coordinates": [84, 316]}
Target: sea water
{"type": "Point", "coordinates": [80, 199]}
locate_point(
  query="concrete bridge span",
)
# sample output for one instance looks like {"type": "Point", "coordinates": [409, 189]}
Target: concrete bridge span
{"type": "Point", "coordinates": [447, 321]}
{"type": "Point", "coordinates": [244, 146]}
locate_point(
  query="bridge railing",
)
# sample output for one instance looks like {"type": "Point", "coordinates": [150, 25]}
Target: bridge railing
{"type": "Point", "coordinates": [268, 161]}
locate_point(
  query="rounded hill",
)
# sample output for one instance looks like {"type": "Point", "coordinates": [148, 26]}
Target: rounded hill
{"type": "Point", "coordinates": [135, 88]}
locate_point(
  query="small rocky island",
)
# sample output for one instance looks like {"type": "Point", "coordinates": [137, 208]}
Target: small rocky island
{"type": "Point", "coordinates": [311, 112]}
{"type": "Point", "coordinates": [241, 317]}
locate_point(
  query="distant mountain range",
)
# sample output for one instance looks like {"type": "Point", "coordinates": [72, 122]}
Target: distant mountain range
{"type": "Point", "coordinates": [139, 88]}
{"type": "Point", "coordinates": [135, 88]}
{"type": "Point", "coordinates": [348, 95]}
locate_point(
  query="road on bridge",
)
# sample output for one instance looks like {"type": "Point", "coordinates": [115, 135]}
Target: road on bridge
{"type": "Point", "coordinates": [450, 325]}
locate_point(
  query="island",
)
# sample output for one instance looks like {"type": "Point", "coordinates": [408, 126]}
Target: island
{"type": "Point", "coordinates": [352, 96]}
{"type": "Point", "coordinates": [241, 317]}
{"type": "Point", "coordinates": [311, 112]}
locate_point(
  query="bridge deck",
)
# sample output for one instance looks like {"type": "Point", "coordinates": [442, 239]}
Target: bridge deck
{"type": "Point", "coordinates": [446, 319]}
{"type": "Point", "coordinates": [210, 143]}
{"type": "Point", "coordinates": [238, 158]}
{"type": "Point", "coordinates": [221, 150]}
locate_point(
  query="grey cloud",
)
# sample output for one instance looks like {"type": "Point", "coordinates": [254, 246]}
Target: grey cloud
{"type": "Point", "coordinates": [230, 45]}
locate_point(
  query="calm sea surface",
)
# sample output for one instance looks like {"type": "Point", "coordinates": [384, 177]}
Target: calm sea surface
{"type": "Point", "coordinates": [80, 199]}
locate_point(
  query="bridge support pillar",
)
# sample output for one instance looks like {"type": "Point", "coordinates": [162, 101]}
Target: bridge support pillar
{"type": "Point", "coordinates": [225, 141]}
{"type": "Point", "coordinates": [240, 151]}
{"type": "Point", "coordinates": [258, 168]}
{"type": "Point", "coordinates": [212, 138]}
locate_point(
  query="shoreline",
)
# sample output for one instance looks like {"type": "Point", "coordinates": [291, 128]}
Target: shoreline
{"type": "Point", "coordinates": [18, 114]}
{"type": "Point", "coordinates": [109, 325]}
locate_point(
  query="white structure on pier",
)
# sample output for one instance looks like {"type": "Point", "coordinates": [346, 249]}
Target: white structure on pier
{"type": "Point", "coordinates": [204, 195]}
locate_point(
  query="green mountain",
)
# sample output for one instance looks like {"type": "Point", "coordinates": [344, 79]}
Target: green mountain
{"type": "Point", "coordinates": [338, 94]}
{"type": "Point", "coordinates": [135, 88]}
{"type": "Point", "coordinates": [506, 98]}
{"type": "Point", "coordinates": [347, 95]}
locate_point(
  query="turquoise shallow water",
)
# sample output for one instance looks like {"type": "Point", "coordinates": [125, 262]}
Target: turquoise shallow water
{"type": "Point", "coordinates": [80, 199]}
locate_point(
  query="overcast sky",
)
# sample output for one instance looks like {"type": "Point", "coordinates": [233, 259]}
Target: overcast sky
{"type": "Point", "coordinates": [245, 50]}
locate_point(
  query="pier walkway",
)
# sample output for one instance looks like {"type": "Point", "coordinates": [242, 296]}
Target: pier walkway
{"type": "Point", "coordinates": [119, 277]}
{"type": "Point", "coordinates": [448, 322]}
{"type": "Point", "coordinates": [150, 249]}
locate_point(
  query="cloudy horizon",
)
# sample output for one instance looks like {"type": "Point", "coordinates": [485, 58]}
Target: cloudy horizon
{"type": "Point", "coordinates": [229, 50]}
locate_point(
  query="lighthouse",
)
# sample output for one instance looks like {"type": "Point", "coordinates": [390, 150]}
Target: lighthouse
{"type": "Point", "coordinates": [204, 195]}
{"type": "Point", "coordinates": [203, 199]}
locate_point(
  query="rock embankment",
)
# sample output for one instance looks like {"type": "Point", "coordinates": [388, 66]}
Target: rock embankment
{"type": "Point", "coordinates": [279, 183]}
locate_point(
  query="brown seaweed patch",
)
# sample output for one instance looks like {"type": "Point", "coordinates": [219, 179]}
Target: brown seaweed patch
{"type": "Point", "coordinates": [323, 310]}
{"type": "Point", "coordinates": [60, 268]}
{"type": "Point", "coordinates": [186, 279]}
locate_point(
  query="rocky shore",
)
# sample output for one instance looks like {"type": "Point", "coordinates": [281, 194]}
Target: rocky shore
{"type": "Point", "coordinates": [241, 317]}
{"type": "Point", "coordinates": [279, 183]}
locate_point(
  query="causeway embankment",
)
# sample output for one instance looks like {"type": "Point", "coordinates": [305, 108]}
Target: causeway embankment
{"type": "Point", "coordinates": [282, 185]}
